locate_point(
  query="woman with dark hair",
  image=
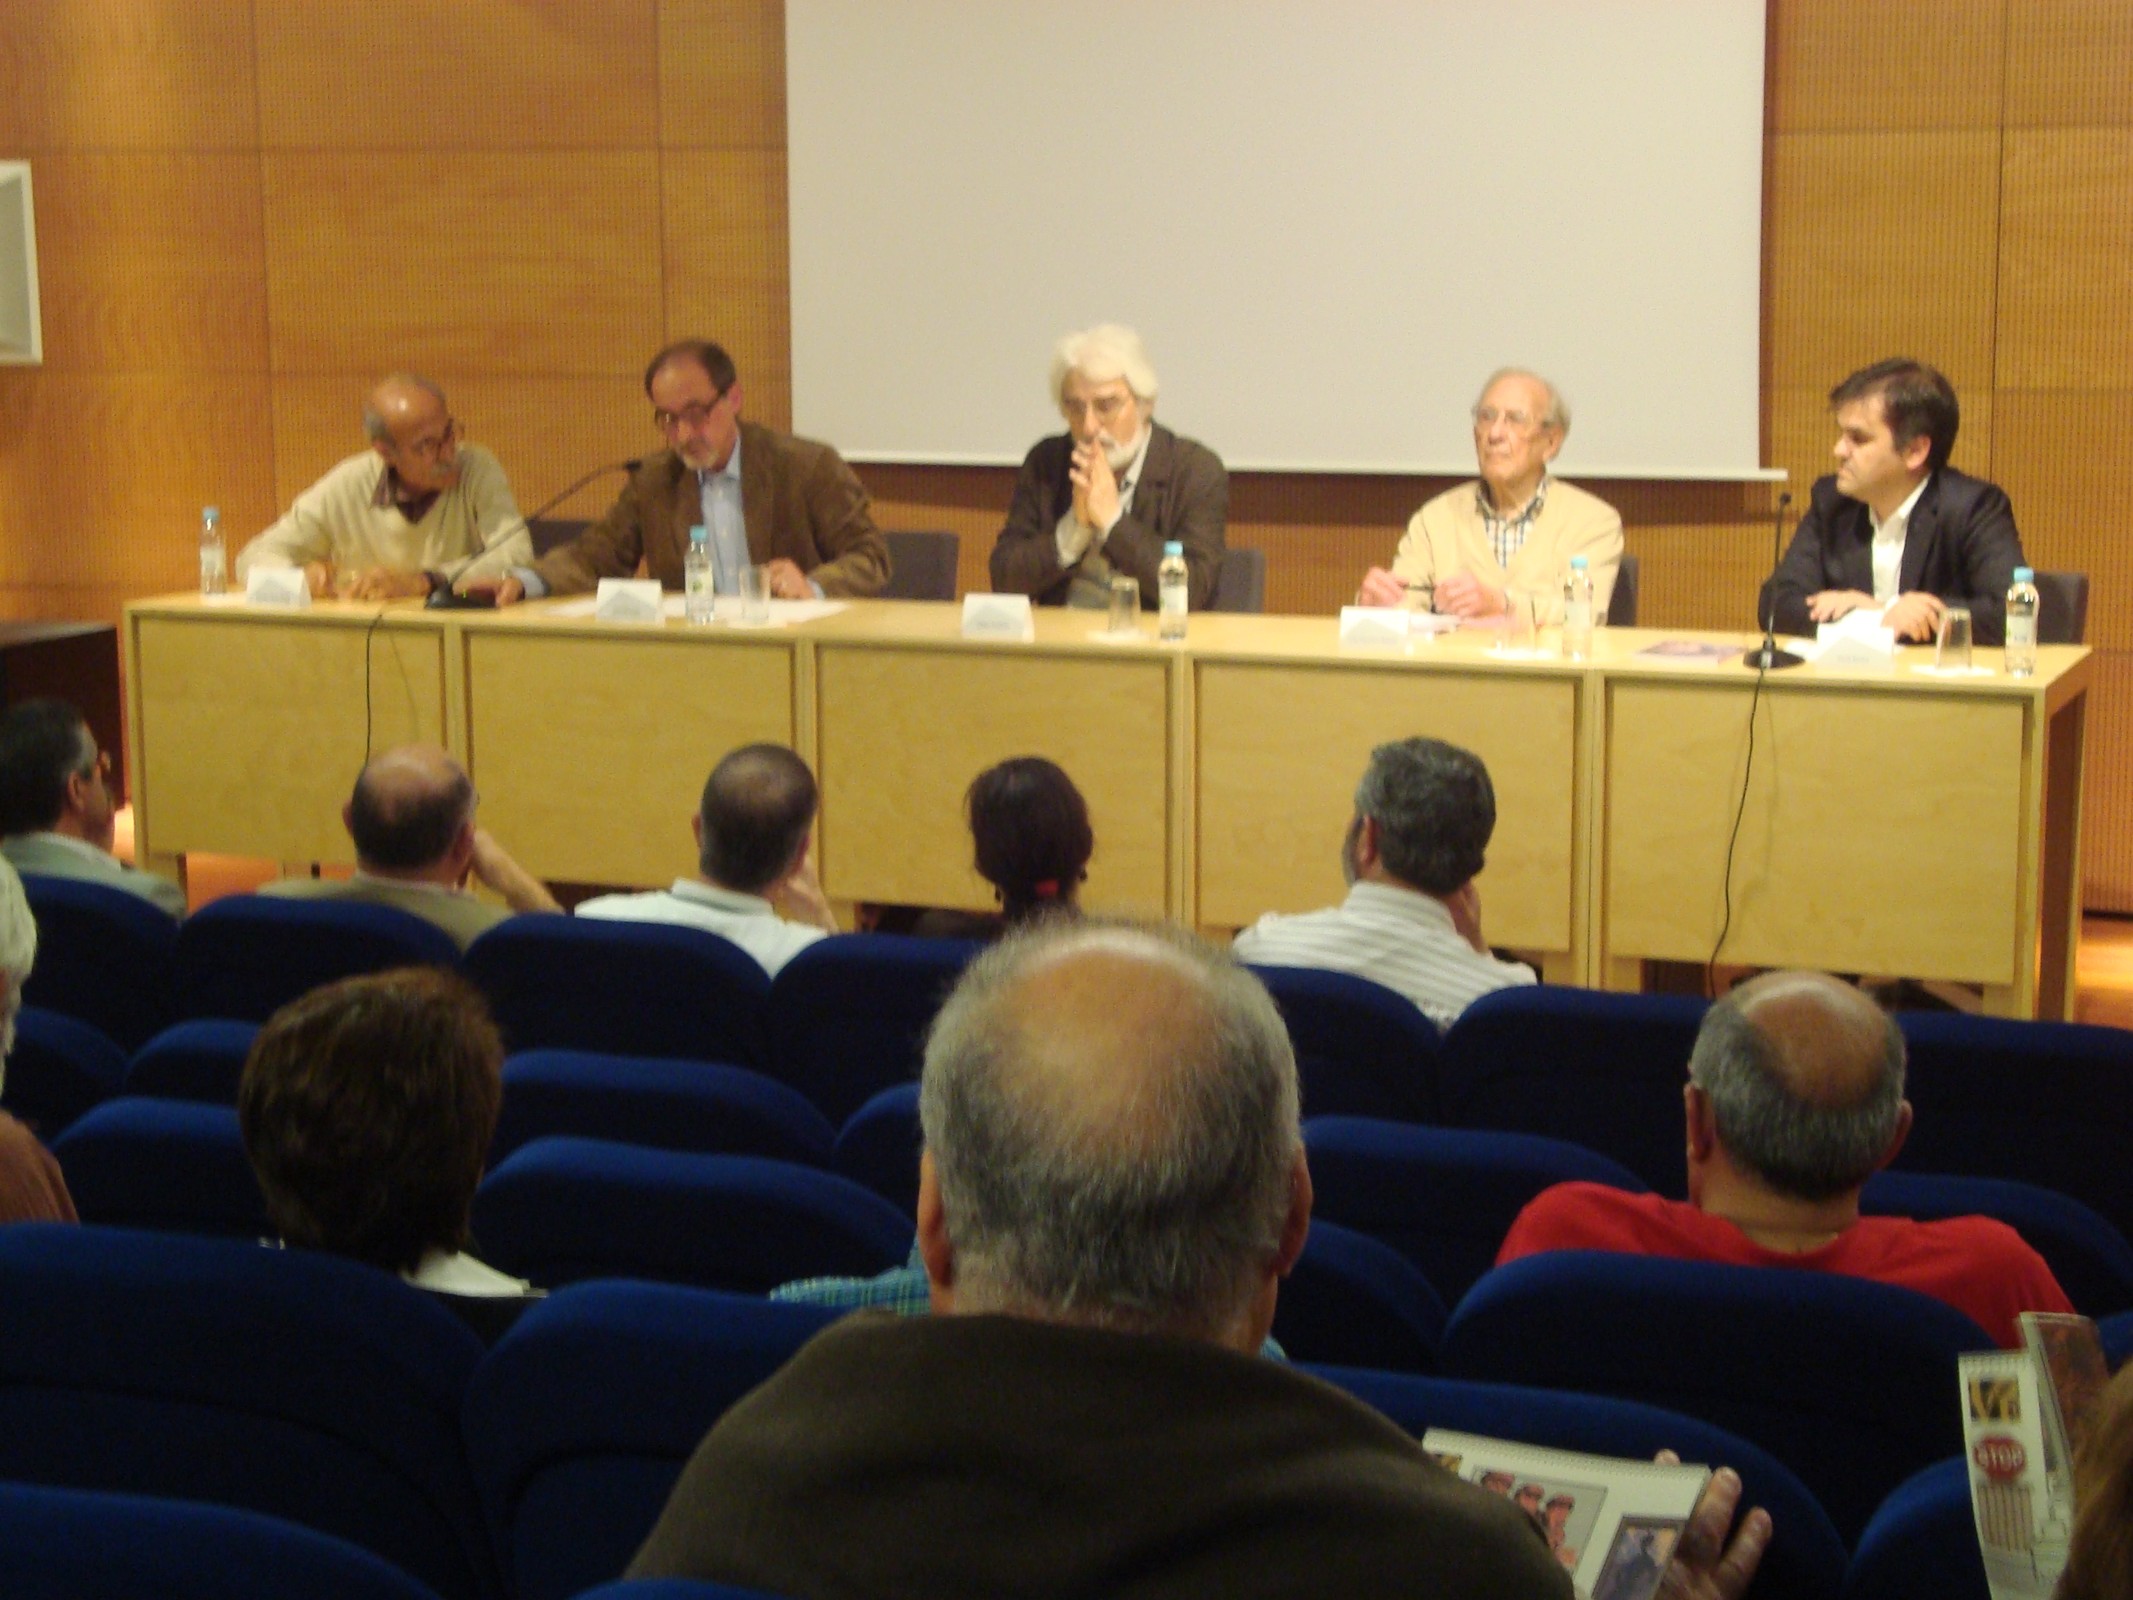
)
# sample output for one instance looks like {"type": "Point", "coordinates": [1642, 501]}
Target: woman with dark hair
{"type": "Point", "coordinates": [1031, 830]}
{"type": "Point", "coordinates": [2099, 1564]}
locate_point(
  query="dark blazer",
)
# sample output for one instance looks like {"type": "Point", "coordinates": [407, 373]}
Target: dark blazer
{"type": "Point", "coordinates": [1961, 545]}
{"type": "Point", "coordinates": [798, 499]}
{"type": "Point", "coordinates": [1182, 494]}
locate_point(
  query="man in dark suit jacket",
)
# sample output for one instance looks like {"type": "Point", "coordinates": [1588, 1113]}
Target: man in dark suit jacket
{"type": "Point", "coordinates": [1104, 497]}
{"type": "Point", "coordinates": [1896, 527]}
{"type": "Point", "coordinates": [801, 511]}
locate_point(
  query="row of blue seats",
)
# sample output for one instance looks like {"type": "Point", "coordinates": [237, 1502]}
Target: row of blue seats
{"type": "Point", "coordinates": [2033, 1102]}
{"type": "Point", "coordinates": [322, 1392]}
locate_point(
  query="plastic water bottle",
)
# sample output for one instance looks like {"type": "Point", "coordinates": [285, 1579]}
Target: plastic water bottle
{"type": "Point", "coordinates": [1170, 594]}
{"type": "Point", "coordinates": [2022, 624]}
{"type": "Point", "coordinates": [697, 583]}
{"type": "Point", "coordinates": [1577, 611]}
{"type": "Point", "coordinates": [214, 569]}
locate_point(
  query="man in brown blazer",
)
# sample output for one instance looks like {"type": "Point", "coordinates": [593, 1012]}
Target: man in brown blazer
{"type": "Point", "coordinates": [767, 498]}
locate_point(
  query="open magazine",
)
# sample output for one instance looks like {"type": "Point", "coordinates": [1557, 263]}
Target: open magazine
{"type": "Point", "coordinates": [1612, 1523]}
{"type": "Point", "coordinates": [2025, 1413]}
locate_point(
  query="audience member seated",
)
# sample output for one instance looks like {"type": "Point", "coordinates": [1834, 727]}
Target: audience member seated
{"type": "Point", "coordinates": [1113, 1187]}
{"type": "Point", "coordinates": [2099, 1558]}
{"type": "Point", "coordinates": [1031, 829]}
{"type": "Point", "coordinates": [57, 811]}
{"type": "Point", "coordinates": [755, 881]}
{"type": "Point", "coordinates": [1795, 1099]}
{"type": "Point", "coordinates": [412, 819]}
{"type": "Point", "coordinates": [31, 1187]}
{"type": "Point", "coordinates": [1412, 920]}
{"type": "Point", "coordinates": [366, 1108]}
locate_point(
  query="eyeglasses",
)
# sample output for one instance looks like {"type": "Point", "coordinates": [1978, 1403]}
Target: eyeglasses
{"type": "Point", "coordinates": [1516, 421]}
{"type": "Point", "coordinates": [1107, 406]}
{"type": "Point", "coordinates": [433, 446]}
{"type": "Point", "coordinates": [691, 417]}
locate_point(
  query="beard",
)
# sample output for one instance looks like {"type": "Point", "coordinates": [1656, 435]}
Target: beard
{"type": "Point", "coordinates": [1121, 455]}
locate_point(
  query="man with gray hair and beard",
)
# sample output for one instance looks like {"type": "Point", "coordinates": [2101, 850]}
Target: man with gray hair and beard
{"type": "Point", "coordinates": [1113, 1187]}
{"type": "Point", "coordinates": [1104, 497]}
{"type": "Point", "coordinates": [1424, 814]}
{"type": "Point", "coordinates": [1795, 1099]}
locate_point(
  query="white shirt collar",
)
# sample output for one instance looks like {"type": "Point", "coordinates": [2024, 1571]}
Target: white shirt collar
{"type": "Point", "coordinates": [710, 894]}
{"type": "Point", "coordinates": [1900, 518]}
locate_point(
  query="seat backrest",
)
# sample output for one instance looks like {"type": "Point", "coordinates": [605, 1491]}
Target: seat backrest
{"type": "Point", "coordinates": [200, 1060]}
{"type": "Point", "coordinates": [921, 565]}
{"type": "Point", "coordinates": [878, 1147]}
{"type": "Point", "coordinates": [848, 1015]}
{"type": "Point", "coordinates": [564, 1209]}
{"type": "Point", "coordinates": [103, 956]}
{"type": "Point", "coordinates": [1622, 603]}
{"type": "Point", "coordinates": [552, 533]}
{"type": "Point", "coordinates": [2090, 1258]}
{"type": "Point", "coordinates": [1443, 1197]}
{"type": "Point", "coordinates": [1355, 1302]}
{"type": "Point", "coordinates": [627, 988]}
{"type": "Point", "coordinates": [59, 1069]}
{"type": "Point", "coordinates": [1240, 582]}
{"type": "Point", "coordinates": [1361, 1049]}
{"type": "Point", "coordinates": [246, 956]}
{"type": "Point", "coordinates": [2062, 607]}
{"type": "Point", "coordinates": [581, 1418]}
{"type": "Point", "coordinates": [1605, 1070]}
{"type": "Point", "coordinates": [1922, 1543]}
{"type": "Point", "coordinates": [285, 1382]}
{"type": "Point", "coordinates": [1805, 1559]}
{"type": "Point", "coordinates": [164, 1164]}
{"type": "Point", "coordinates": [698, 1106]}
{"type": "Point", "coordinates": [1849, 1383]}
{"type": "Point", "coordinates": [2068, 1128]}
{"type": "Point", "coordinates": [2117, 1335]}
{"type": "Point", "coordinates": [90, 1546]}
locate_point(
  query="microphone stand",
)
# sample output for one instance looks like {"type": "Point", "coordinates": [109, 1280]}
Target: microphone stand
{"type": "Point", "coordinates": [447, 598]}
{"type": "Point", "coordinates": [1767, 657]}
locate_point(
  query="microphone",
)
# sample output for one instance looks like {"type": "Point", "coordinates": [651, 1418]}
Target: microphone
{"type": "Point", "coordinates": [1767, 657]}
{"type": "Point", "coordinates": [446, 598]}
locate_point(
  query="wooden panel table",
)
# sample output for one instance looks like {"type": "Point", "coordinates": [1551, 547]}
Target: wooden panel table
{"type": "Point", "coordinates": [1894, 822]}
{"type": "Point", "coordinates": [1285, 723]}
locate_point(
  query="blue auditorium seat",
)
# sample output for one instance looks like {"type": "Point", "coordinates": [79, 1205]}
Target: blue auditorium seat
{"type": "Point", "coordinates": [654, 1101]}
{"type": "Point", "coordinates": [247, 956]}
{"type": "Point", "coordinates": [879, 1146]}
{"type": "Point", "coordinates": [171, 1165]}
{"type": "Point", "coordinates": [849, 1014]}
{"type": "Point", "coordinates": [1352, 1301]}
{"type": "Point", "coordinates": [2090, 1258]}
{"type": "Point", "coordinates": [61, 1067]}
{"type": "Point", "coordinates": [1361, 1049]}
{"type": "Point", "coordinates": [1922, 1542]}
{"type": "Point", "coordinates": [201, 1060]}
{"type": "Point", "coordinates": [103, 956]}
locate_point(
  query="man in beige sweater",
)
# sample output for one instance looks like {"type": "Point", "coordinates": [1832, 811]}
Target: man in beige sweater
{"type": "Point", "coordinates": [415, 512]}
{"type": "Point", "coordinates": [1514, 531]}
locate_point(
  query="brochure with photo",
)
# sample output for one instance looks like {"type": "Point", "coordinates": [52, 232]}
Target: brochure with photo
{"type": "Point", "coordinates": [2069, 1354]}
{"type": "Point", "coordinates": [1686, 653]}
{"type": "Point", "coordinates": [2024, 1513]}
{"type": "Point", "coordinates": [1612, 1523]}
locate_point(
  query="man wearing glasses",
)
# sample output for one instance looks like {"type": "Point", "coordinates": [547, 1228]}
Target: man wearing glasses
{"type": "Point", "coordinates": [417, 511]}
{"type": "Point", "coordinates": [1516, 529]}
{"type": "Point", "coordinates": [58, 816]}
{"type": "Point", "coordinates": [1104, 497]}
{"type": "Point", "coordinates": [790, 505]}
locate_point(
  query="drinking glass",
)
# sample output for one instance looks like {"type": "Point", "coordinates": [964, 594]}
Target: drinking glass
{"type": "Point", "coordinates": [755, 594]}
{"type": "Point", "coordinates": [1951, 651]}
{"type": "Point", "coordinates": [1125, 606]}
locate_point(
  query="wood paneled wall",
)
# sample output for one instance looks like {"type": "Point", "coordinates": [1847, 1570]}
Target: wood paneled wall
{"type": "Point", "coordinates": [247, 209]}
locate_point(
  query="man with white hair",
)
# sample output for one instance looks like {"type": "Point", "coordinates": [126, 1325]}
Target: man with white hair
{"type": "Point", "coordinates": [1106, 496]}
{"type": "Point", "coordinates": [31, 1187]}
{"type": "Point", "coordinates": [1515, 530]}
{"type": "Point", "coordinates": [1112, 1189]}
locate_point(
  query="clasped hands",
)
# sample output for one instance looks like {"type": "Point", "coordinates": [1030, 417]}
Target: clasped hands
{"type": "Point", "coordinates": [1914, 617]}
{"type": "Point", "coordinates": [1460, 595]}
{"type": "Point", "coordinates": [1095, 486]}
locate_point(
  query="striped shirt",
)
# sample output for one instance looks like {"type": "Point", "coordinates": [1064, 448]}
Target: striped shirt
{"type": "Point", "coordinates": [1507, 535]}
{"type": "Point", "coordinates": [1399, 937]}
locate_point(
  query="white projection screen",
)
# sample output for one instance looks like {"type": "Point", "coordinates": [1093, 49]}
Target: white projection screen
{"type": "Point", "coordinates": [1330, 221]}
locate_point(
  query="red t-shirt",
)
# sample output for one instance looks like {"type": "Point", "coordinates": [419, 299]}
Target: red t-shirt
{"type": "Point", "coordinates": [1979, 1266]}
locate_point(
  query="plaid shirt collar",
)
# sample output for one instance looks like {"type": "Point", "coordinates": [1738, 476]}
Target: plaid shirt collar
{"type": "Point", "coordinates": [1508, 534]}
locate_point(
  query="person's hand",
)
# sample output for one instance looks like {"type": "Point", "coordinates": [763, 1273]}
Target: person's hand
{"type": "Point", "coordinates": [1095, 486]}
{"type": "Point", "coordinates": [787, 581]}
{"type": "Point", "coordinates": [1915, 616]}
{"type": "Point", "coordinates": [1707, 1564]}
{"type": "Point", "coordinates": [492, 864]}
{"type": "Point", "coordinates": [1830, 604]}
{"type": "Point", "coordinates": [381, 584]}
{"type": "Point", "coordinates": [1464, 903]}
{"type": "Point", "coordinates": [509, 593]}
{"type": "Point", "coordinates": [1464, 595]}
{"type": "Point", "coordinates": [1381, 588]}
{"type": "Point", "coordinates": [31, 1187]}
{"type": "Point", "coordinates": [318, 578]}
{"type": "Point", "coordinates": [800, 898]}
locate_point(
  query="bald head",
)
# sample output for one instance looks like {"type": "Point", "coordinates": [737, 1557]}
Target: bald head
{"type": "Point", "coordinates": [1111, 1113]}
{"type": "Point", "coordinates": [401, 406]}
{"type": "Point", "coordinates": [409, 810]}
{"type": "Point", "coordinates": [1805, 1078]}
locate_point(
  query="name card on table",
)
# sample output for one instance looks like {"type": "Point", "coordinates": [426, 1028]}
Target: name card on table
{"type": "Point", "coordinates": [1373, 625]}
{"type": "Point", "coordinates": [277, 586]}
{"type": "Point", "coordinates": [998, 616]}
{"type": "Point", "coordinates": [629, 600]}
{"type": "Point", "coordinates": [1862, 644]}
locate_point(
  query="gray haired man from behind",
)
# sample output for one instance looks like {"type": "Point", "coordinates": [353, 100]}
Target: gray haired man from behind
{"type": "Point", "coordinates": [1113, 1188]}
